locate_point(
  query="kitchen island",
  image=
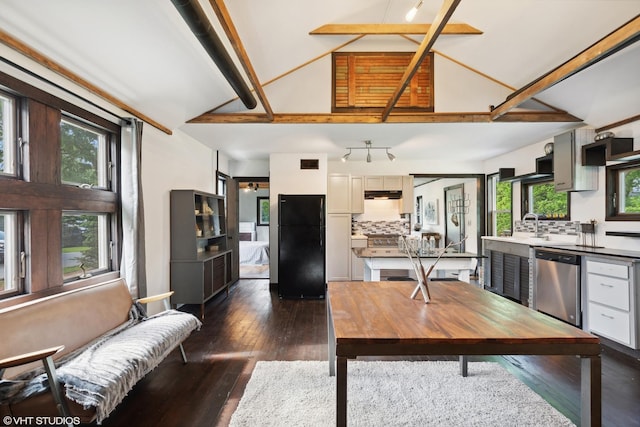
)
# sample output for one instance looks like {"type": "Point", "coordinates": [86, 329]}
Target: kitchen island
{"type": "Point", "coordinates": [377, 259]}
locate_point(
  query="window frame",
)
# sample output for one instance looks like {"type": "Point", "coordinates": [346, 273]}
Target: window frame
{"type": "Point", "coordinates": [492, 181]}
{"type": "Point", "coordinates": [612, 198]}
{"type": "Point", "coordinates": [11, 141]}
{"type": "Point", "coordinates": [525, 185]}
{"type": "Point", "coordinates": [38, 193]}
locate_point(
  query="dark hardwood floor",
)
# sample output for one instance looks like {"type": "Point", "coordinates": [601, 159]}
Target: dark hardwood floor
{"type": "Point", "coordinates": [253, 324]}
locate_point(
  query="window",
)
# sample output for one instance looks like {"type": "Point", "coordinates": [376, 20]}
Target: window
{"type": "Point", "coordinates": [84, 154]}
{"type": "Point", "coordinates": [623, 191]}
{"type": "Point", "coordinates": [9, 254]}
{"type": "Point", "coordinates": [85, 244]}
{"type": "Point", "coordinates": [55, 235]}
{"type": "Point", "coordinates": [541, 198]}
{"type": "Point", "coordinates": [500, 206]}
{"type": "Point", "coordinates": [7, 135]}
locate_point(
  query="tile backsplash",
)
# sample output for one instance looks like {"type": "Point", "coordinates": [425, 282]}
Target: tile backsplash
{"type": "Point", "coordinates": [401, 226]}
{"type": "Point", "coordinates": [571, 228]}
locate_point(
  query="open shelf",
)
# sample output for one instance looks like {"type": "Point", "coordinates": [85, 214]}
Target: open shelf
{"type": "Point", "coordinates": [599, 152]}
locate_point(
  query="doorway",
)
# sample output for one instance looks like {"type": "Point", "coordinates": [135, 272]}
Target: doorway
{"type": "Point", "coordinates": [253, 227]}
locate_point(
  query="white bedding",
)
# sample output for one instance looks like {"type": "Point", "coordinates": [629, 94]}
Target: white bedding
{"type": "Point", "coordinates": [256, 252]}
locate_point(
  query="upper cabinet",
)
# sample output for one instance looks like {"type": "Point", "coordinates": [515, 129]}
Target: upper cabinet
{"type": "Point", "coordinates": [569, 174]}
{"type": "Point", "coordinates": [383, 183]}
{"type": "Point", "coordinates": [339, 193]}
{"type": "Point", "coordinates": [357, 194]}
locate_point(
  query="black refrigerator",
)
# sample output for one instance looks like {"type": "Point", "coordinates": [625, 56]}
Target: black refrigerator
{"type": "Point", "coordinates": [301, 246]}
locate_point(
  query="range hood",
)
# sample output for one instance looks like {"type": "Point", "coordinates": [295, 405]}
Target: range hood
{"type": "Point", "coordinates": [383, 195]}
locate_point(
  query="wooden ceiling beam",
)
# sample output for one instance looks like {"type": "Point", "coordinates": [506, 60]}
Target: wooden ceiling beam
{"type": "Point", "coordinates": [373, 118]}
{"type": "Point", "coordinates": [430, 37]}
{"type": "Point", "coordinates": [232, 34]}
{"type": "Point", "coordinates": [627, 34]}
{"type": "Point", "coordinates": [391, 29]}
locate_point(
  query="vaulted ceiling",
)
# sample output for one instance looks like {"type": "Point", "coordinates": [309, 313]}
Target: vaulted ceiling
{"type": "Point", "coordinates": [143, 55]}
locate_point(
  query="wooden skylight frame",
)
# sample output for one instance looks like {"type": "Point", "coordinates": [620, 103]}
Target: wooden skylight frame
{"type": "Point", "coordinates": [365, 81]}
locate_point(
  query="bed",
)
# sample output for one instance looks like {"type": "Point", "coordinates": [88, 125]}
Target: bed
{"type": "Point", "coordinates": [252, 251]}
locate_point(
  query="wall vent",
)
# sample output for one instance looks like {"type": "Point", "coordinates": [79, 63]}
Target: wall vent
{"type": "Point", "coordinates": [309, 164]}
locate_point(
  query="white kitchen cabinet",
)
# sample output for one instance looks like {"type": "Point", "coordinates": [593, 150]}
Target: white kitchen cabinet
{"type": "Point", "coordinates": [407, 205]}
{"type": "Point", "coordinates": [612, 294]}
{"type": "Point", "coordinates": [339, 193]}
{"type": "Point", "coordinates": [383, 183]}
{"type": "Point", "coordinates": [357, 264]}
{"type": "Point", "coordinates": [357, 194]}
{"type": "Point", "coordinates": [338, 247]}
{"type": "Point", "coordinates": [568, 172]}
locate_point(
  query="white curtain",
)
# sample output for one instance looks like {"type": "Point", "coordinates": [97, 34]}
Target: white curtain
{"type": "Point", "coordinates": [132, 264]}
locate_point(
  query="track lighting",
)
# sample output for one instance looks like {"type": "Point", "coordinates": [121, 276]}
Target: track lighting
{"type": "Point", "coordinates": [346, 156]}
{"type": "Point", "coordinates": [412, 12]}
{"type": "Point", "coordinates": [368, 147]}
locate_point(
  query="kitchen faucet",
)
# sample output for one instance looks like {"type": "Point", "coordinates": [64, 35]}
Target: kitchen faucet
{"type": "Point", "coordinates": [537, 225]}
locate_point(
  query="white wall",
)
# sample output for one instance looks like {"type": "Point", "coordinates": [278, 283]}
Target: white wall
{"type": "Point", "coordinates": [248, 210]}
{"type": "Point", "coordinates": [585, 205]}
{"type": "Point", "coordinates": [165, 160]}
{"type": "Point", "coordinates": [285, 177]}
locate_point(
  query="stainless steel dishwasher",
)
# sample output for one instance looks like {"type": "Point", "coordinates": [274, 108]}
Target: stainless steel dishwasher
{"type": "Point", "coordinates": [558, 285]}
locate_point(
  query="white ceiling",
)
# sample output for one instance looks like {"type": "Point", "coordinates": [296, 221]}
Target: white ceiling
{"type": "Point", "coordinates": [142, 53]}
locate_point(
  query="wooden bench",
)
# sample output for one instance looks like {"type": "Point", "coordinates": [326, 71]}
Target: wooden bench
{"type": "Point", "coordinates": [81, 341]}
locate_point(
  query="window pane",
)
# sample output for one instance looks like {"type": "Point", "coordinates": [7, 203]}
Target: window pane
{"type": "Point", "coordinates": [548, 203]}
{"type": "Point", "coordinates": [85, 243]}
{"type": "Point", "coordinates": [84, 160]}
{"type": "Point", "coordinates": [630, 191]}
{"type": "Point", "coordinates": [9, 274]}
{"type": "Point", "coordinates": [503, 207]}
{"type": "Point", "coordinates": [7, 136]}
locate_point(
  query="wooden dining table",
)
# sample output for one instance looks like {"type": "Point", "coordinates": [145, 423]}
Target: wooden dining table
{"type": "Point", "coordinates": [380, 319]}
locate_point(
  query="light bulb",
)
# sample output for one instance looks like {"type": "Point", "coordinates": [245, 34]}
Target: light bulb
{"type": "Point", "coordinates": [411, 14]}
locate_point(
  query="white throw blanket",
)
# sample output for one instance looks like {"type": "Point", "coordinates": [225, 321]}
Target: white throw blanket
{"type": "Point", "coordinates": [102, 373]}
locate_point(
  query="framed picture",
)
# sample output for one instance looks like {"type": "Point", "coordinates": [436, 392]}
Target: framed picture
{"type": "Point", "coordinates": [431, 212]}
{"type": "Point", "coordinates": [419, 209]}
{"type": "Point", "coordinates": [263, 211]}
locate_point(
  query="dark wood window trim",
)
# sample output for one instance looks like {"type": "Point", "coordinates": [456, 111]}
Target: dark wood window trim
{"type": "Point", "coordinates": [365, 81]}
{"type": "Point", "coordinates": [41, 197]}
{"type": "Point", "coordinates": [612, 196]}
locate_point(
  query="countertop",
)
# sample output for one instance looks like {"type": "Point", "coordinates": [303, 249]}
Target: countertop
{"type": "Point", "coordinates": [567, 246]}
{"type": "Point", "coordinates": [396, 253]}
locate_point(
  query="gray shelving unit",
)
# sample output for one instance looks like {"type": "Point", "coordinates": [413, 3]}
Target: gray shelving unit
{"type": "Point", "coordinates": [200, 260]}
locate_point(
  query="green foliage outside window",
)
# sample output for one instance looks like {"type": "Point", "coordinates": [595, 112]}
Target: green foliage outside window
{"type": "Point", "coordinates": [631, 191]}
{"type": "Point", "coordinates": [503, 207]}
{"type": "Point", "coordinates": [547, 203]}
{"type": "Point", "coordinates": [79, 154]}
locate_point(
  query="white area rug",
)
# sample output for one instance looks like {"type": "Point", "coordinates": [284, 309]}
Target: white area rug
{"type": "Point", "coordinates": [301, 393]}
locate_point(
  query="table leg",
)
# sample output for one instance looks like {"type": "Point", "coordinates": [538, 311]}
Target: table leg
{"type": "Point", "coordinates": [591, 391]}
{"type": "Point", "coordinates": [464, 366]}
{"type": "Point", "coordinates": [331, 341]}
{"type": "Point", "coordinates": [341, 392]}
